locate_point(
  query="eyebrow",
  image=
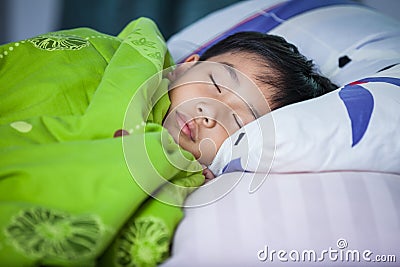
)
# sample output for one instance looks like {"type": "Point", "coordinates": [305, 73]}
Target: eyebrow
{"type": "Point", "coordinates": [231, 69]}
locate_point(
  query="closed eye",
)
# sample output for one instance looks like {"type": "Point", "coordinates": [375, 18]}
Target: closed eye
{"type": "Point", "coordinates": [237, 120]}
{"type": "Point", "coordinates": [215, 84]}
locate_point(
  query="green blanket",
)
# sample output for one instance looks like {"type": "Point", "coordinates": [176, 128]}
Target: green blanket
{"type": "Point", "coordinates": [84, 180]}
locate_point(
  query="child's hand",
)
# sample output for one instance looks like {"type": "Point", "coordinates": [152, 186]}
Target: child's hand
{"type": "Point", "coordinates": [208, 174]}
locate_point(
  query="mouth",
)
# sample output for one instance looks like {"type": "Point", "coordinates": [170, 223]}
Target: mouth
{"type": "Point", "coordinates": [186, 126]}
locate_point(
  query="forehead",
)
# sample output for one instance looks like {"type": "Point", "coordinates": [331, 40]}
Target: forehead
{"type": "Point", "coordinates": [246, 63]}
{"type": "Point", "coordinates": [239, 66]}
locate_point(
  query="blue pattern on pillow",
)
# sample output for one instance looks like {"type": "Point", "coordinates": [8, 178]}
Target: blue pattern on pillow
{"type": "Point", "coordinates": [233, 165]}
{"type": "Point", "coordinates": [359, 103]}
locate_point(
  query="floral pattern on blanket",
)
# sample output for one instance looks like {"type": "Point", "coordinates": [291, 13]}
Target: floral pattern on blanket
{"type": "Point", "coordinates": [67, 196]}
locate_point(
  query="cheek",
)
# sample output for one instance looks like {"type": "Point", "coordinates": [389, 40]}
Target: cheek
{"type": "Point", "coordinates": [211, 141]}
{"type": "Point", "coordinates": [188, 94]}
{"type": "Point", "coordinates": [181, 94]}
{"type": "Point", "coordinates": [173, 98]}
{"type": "Point", "coordinates": [215, 136]}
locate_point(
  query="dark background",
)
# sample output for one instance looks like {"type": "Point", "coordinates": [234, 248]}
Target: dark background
{"type": "Point", "coordinates": [20, 19]}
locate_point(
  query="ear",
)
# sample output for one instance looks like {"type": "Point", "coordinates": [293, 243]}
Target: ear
{"type": "Point", "coordinates": [192, 58]}
{"type": "Point", "coordinates": [181, 68]}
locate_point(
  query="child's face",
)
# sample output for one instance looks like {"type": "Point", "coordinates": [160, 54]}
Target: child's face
{"type": "Point", "coordinates": [210, 101]}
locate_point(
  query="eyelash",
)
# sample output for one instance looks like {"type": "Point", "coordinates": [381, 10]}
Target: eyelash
{"type": "Point", "coordinates": [237, 120]}
{"type": "Point", "coordinates": [215, 84]}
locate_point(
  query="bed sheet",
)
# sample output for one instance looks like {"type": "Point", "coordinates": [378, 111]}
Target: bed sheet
{"type": "Point", "coordinates": [346, 212]}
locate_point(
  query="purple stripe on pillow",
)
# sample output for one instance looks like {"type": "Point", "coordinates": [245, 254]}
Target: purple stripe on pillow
{"type": "Point", "coordinates": [258, 20]}
{"type": "Point", "coordinates": [271, 17]}
{"type": "Point", "coordinates": [395, 81]}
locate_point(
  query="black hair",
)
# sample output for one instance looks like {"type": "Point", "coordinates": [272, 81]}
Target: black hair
{"type": "Point", "coordinates": [293, 77]}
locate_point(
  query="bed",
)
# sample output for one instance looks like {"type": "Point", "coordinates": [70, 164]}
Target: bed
{"type": "Point", "coordinates": [325, 191]}
{"type": "Point", "coordinates": [314, 183]}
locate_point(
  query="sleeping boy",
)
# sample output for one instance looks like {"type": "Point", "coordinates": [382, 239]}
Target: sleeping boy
{"type": "Point", "coordinates": [66, 192]}
{"type": "Point", "coordinates": [253, 74]}
{"type": "Point", "coordinates": [211, 96]}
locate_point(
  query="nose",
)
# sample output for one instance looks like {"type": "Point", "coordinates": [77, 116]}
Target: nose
{"type": "Point", "coordinates": [206, 116]}
{"type": "Point", "coordinates": [206, 122]}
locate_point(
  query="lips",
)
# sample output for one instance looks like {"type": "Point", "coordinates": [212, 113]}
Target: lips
{"type": "Point", "coordinates": [186, 126]}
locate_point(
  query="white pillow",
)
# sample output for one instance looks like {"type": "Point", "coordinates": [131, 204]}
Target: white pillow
{"type": "Point", "coordinates": [353, 128]}
{"type": "Point", "coordinates": [315, 135]}
{"type": "Point", "coordinates": [370, 40]}
{"type": "Point", "coordinates": [201, 34]}
{"type": "Point", "coordinates": [326, 31]}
